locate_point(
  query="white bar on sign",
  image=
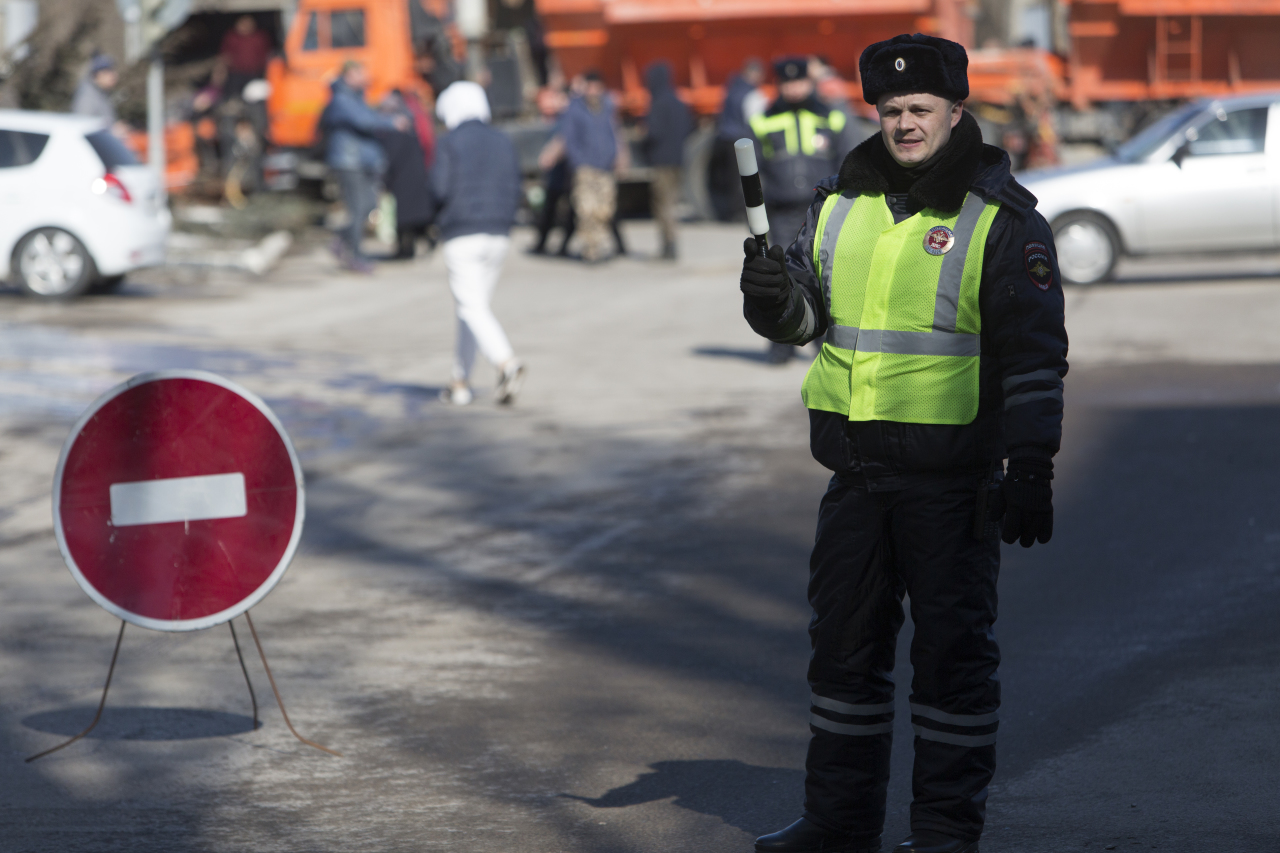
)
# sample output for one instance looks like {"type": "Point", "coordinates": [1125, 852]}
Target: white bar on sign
{"type": "Point", "coordinates": [178, 499]}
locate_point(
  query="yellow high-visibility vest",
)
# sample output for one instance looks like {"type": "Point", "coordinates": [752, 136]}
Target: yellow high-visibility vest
{"type": "Point", "coordinates": [904, 338]}
{"type": "Point", "coordinates": [799, 129]}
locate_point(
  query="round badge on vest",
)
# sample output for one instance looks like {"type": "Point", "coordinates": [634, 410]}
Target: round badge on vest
{"type": "Point", "coordinates": [900, 64]}
{"type": "Point", "coordinates": [939, 240]}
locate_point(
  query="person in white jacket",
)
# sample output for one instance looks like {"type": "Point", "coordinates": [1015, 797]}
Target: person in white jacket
{"type": "Point", "coordinates": [476, 185]}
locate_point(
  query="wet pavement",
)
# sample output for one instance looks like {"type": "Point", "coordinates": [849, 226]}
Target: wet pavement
{"type": "Point", "coordinates": [579, 624]}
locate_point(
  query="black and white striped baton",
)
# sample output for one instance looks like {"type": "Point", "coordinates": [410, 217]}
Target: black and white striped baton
{"type": "Point", "coordinates": [753, 193]}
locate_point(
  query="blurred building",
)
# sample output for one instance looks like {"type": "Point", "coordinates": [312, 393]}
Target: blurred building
{"type": "Point", "coordinates": [48, 47]}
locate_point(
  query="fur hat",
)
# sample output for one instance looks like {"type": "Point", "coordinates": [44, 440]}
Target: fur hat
{"type": "Point", "coordinates": [790, 68]}
{"type": "Point", "coordinates": [915, 63]}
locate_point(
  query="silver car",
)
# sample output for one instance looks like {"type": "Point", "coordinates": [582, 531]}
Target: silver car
{"type": "Point", "coordinates": [1203, 178]}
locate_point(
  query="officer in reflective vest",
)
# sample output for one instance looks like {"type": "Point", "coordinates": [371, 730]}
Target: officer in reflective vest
{"type": "Point", "coordinates": [932, 282]}
{"type": "Point", "coordinates": [799, 141]}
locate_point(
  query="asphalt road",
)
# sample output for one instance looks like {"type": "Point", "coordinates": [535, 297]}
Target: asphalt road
{"type": "Point", "coordinates": [579, 625]}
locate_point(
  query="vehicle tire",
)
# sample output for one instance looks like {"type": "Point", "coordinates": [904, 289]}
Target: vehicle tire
{"type": "Point", "coordinates": [1088, 247]}
{"type": "Point", "coordinates": [51, 264]}
{"type": "Point", "coordinates": [697, 162]}
{"type": "Point", "coordinates": [107, 284]}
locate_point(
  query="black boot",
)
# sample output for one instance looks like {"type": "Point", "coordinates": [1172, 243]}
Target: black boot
{"type": "Point", "coordinates": [406, 244]}
{"type": "Point", "coordinates": [925, 841]}
{"type": "Point", "coordinates": [805, 836]}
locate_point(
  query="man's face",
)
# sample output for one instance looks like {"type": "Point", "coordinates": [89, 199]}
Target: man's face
{"type": "Point", "coordinates": [246, 25]}
{"type": "Point", "coordinates": [357, 77]}
{"type": "Point", "coordinates": [106, 79]}
{"type": "Point", "coordinates": [916, 126]}
{"type": "Point", "coordinates": [795, 91]}
{"type": "Point", "coordinates": [595, 91]}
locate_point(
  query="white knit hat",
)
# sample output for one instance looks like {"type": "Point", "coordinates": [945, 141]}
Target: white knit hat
{"type": "Point", "coordinates": [462, 101]}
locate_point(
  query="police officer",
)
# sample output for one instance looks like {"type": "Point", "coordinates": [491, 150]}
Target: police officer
{"type": "Point", "coordinates": [799, 142]}
{"type": "Point", "coordinates": [933, 283]}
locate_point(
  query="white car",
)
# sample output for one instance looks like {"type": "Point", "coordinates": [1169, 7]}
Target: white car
{"type": "Point", "coordinates": [1204, 178]}
{"type": "Point", "coordinates": [77, 211]}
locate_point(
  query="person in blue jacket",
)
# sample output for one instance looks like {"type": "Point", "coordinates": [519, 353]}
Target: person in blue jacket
{"type": "Point", "coordinates": [356, 157]}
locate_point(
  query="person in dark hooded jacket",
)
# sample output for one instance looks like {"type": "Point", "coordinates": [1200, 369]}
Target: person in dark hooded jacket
{"type": "Point", "coordinates": [932, 281]}
{"type": "Point", "coordinates": [668, 126]}
{"type": "Point", "coordinates": [723, 181]}
{"type": "Point", "coordinates": [356, 156]}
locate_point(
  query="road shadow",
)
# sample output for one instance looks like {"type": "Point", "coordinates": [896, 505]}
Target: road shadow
{"type": "Point", "coordinates": [745, 796]}
{"type": "Point", "coordinates": [1197, 269]}
{"type": "Point", "coordinates": [141, 723]}
{"type": "Point", "coordinates": [758, 355]}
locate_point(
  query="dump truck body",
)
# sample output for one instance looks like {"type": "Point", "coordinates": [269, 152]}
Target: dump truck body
{"type": "Point", "coordinates": [1137, 50]}
{"type": "Point", "coordinates": [707, 41]}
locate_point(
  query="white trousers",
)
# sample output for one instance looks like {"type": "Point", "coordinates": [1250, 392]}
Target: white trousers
{"type": "Point", "coordinates": [474, 263]}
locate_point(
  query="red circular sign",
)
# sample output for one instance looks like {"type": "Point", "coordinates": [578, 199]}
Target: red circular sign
{"type": "Point", "coordinates": [178, 500]}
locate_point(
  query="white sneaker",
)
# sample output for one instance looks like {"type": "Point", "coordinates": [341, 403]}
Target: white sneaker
{"type": "Point", "coordinates": [456, 395]}
{"type": "Point", "coordinates": [509, 382]}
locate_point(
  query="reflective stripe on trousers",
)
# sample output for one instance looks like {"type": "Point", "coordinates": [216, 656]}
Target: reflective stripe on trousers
{"type": "Point", "coordinates": [927, 715]}
{"type": "Point", "coordinates": [865, 710]}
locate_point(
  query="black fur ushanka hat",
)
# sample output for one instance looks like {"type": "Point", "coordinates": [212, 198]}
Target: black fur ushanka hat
{"type": "Point", "coordinates": [914, 63]}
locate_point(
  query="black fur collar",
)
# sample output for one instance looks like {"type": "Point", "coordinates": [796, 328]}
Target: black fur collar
{"type": "Point", "coordinates": [942, 187]}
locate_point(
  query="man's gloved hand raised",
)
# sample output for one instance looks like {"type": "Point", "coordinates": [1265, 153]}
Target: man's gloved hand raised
{"type": "Point", "coordinates": [1028, 501]}
{"type": "Point", "coordinates": [764, 278]}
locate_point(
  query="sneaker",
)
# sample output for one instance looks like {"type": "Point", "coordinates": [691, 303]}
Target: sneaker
{"type": "Point", "coordinates": [509, 382]}
{"type": "Point", "coordinates": [456, 395]}
{"type": "Point", "coordinates": [363, 266]}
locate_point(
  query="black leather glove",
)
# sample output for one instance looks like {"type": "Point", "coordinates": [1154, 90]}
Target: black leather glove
{"type": "Point", "coordinates": [1028, 501]}
{"type": "Point", "coordinates": [765, 278]}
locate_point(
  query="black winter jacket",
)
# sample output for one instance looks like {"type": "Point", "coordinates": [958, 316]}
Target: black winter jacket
{"type": "Point", "coordinates": [1024, 339]}
{"type": "Point", "coordinates": [475, 181]}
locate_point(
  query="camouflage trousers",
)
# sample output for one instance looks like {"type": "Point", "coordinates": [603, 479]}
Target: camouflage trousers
{"type": "Point", "coordinates": [595, 199]}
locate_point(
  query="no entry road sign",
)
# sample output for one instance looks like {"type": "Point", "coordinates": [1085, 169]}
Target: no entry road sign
{"type": "Point", "coordinates": [178, 500]}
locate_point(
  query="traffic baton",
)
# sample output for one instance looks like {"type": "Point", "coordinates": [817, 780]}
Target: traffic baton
{"type": "Point", "coordinates": [753, 193]}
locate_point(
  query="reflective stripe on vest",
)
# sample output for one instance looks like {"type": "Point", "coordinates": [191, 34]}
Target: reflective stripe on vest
{"type": "Point", "coordinates": [798, 129]}
{"type": "Point", "coordinates": [904, 338]}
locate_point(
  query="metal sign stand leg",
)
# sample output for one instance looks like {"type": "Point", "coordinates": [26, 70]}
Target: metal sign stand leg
{"type": "Point", "coordinates": [252, 697]}
{"type": "Point", "coordinates": [276, 691]}
{"type": "Point", "coordinates": [102, 704]}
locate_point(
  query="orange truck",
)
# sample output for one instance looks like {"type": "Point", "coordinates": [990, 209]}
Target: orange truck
{"type": "Point", "coordinates": [1120, 50]}
{"type": "Point", "coordinates": [707, 40]}
{"type": "Point", "coordinates": [1138, 50]}
{"type": "Point", "coordinates": [324, 35]}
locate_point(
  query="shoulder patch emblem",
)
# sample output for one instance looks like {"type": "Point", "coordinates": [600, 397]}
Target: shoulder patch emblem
{"type": "Point", "coordinates": [939, 240]}
{"type": "Point", "coordinates": [1039, 264]}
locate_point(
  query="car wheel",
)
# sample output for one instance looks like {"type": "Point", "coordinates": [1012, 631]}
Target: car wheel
{"type": "Point", "coordinates": [1088, 247]}
{"type": "Point", "coordinates": [52, 264]}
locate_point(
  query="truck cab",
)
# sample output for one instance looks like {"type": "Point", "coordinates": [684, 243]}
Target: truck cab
{"type": "Point", "coordinates": [323, 35]}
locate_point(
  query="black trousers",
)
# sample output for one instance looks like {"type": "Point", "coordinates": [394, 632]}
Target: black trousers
{"type": "Point", "coordinates": [872, 547]}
